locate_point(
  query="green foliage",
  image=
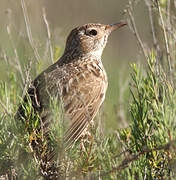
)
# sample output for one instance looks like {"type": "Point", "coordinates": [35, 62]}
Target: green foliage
{"type": "Point", "coordinates": [153, 112]}
{"type": "Point", "coordinates": [143, 150]}
{"type": "Point", "coordinates": [15, 154]}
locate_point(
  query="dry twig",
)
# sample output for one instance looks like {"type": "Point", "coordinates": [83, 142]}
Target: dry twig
{"type": "Point", "coordinates": [29, 33]}
{"type": "Point", "coordinates": [132, 158]}
{"type": "Point", "coordinates": [16, 55]}
{"type": "Point", "coordinates": [134, 28]}
{"type": "Point", "coordinates": [28, 69]}
{"type": "Point", "coordinates": [155, 42]}
{"type": "Point", "coordinates": [165, 35]}
{"type": "Point", "coordinates": [4, 107]}
{"type": "Point", "coordinates": [49, 35]}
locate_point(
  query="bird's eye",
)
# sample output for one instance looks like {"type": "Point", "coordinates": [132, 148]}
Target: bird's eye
{"type": "Point", "coordinates": [93, 32]}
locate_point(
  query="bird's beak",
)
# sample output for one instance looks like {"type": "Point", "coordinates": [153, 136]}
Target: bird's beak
{"type": "Point", "coordinates": [115, 26]}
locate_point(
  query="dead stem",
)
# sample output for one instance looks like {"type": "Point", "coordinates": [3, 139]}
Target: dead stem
{"type": "Point", "coordinates": [28, 29]}
{"type": "Point", "coordinates": [49, 35]}
{"type": "Point", "coordinates": [165, 35]}
{"type": "Point", "coordinates": [134, 29]}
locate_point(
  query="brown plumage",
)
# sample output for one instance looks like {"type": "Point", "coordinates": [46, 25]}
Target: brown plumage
{"type": "Point", "coordinates": [78, 79]}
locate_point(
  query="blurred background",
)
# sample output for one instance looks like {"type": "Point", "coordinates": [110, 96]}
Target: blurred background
{"type": "Point", "coordinates": [62, 16]}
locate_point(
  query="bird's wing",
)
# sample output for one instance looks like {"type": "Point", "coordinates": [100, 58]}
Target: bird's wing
{"type": "Point", "coordinates": [81, 103]}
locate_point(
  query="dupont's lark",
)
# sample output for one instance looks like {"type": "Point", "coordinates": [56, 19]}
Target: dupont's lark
{"type": "Point", "coordinates": [78, 79]}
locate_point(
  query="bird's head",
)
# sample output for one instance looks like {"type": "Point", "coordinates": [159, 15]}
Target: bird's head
{"type": "Point", "coordinates": [89, 39]}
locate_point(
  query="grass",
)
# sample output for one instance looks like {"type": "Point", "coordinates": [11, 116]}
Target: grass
{"type": "Point", "coordinates": [144, 149]}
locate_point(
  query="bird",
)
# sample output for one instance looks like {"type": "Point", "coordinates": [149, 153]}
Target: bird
{"type": "Point", "coordinates": [77, 80]}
